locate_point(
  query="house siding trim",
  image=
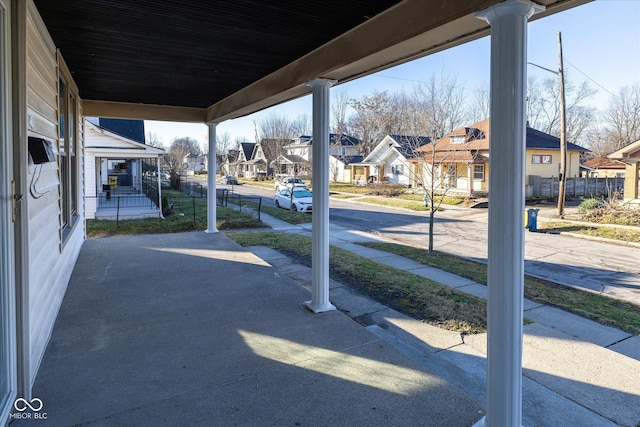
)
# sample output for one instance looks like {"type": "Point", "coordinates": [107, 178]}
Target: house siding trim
{"type": "Point", "coordinates": [8, 360]}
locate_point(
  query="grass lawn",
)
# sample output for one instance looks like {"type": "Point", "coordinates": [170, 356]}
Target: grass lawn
{"type": "Point", "coordinates": [606, 232]}
{"type": "Point", "coordinates": [182, 219]}
{"type": "Point", "coordinates": [395, 202]}
{"type": "Point", "coordinates": [602, 309]}
{"type": "Point", "coordinates": [406, 292]}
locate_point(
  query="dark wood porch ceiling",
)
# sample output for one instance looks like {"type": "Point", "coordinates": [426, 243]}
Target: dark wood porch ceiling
{"type": "Point", "coordinates": [231, 58]}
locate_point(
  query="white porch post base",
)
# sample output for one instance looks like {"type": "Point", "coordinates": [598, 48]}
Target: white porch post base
{"type": "Point", "coordinates": [505, 271]}
{"type": "Point", "coordinates": [211, 180]}
{"type": "Point", "coordinates": [481, 423]}
{"type": "Point", "coordinates": [320, 184]}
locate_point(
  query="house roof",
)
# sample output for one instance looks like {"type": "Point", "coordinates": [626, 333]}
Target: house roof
{"type": "Point", "coordinates": [253, 162]}
{"type": "Point", "coordinates": [629, 152]}
{"type": "Point", "coordinates": [288, 159]}
{"type": "Point", "coordinates": [132, 129]}
{"type": "Point", "coordinates": [272, 147]}
{"type": "Point", "coordinates": [232, 156]}
{"type": "Point", "coordinates": [334, 139]}
{"type": "Point", "coordinates": [602, 162]}
{"type": "Point", "coordinates": [216, 60]}
{"type": "Point", "coordinates": [347, 160]}
{"type": "Point", "coordinates": [477, 136]}
{"type": "Point", "coordinates": [105, 143]}
{"type": "Point", "coordinates": [407, 144]}
{"type": "Point", "coordinates": [543, 141]}
{"type": "Point", "coordinates": [247, 149]}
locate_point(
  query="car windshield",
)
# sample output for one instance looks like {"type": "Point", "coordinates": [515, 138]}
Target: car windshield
{"type": "Point", "coordinates": [302, 193]}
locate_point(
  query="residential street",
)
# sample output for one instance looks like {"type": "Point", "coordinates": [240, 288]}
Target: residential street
{"type": "Point", "coordinates": [597, 266]}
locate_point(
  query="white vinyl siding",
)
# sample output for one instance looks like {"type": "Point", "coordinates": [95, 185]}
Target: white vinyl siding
{"type": "Point", "coordinates": [51, 259]}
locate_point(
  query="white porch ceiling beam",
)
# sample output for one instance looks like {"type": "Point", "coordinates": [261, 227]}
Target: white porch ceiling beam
{"type": "Point", "coordinates": [125, 110]}
{"type": "Point", "coordinates": [409, 30]}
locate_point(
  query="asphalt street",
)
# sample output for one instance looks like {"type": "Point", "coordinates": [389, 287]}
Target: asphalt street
{"type": "Point", "coordinates": [611, 269]}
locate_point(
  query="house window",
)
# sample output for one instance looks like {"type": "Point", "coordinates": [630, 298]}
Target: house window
{"type": "Point", "coordinates": [398, 169]}
{"type": "Point", "coordinates": [541, 159]}
{"type": "Point", "coordinates": [458, 139]}
{"type": "Point", "coordinates": [478, 172]}
{"type": "Point", "coordinates": [68, 159]}
{"type": "Point", "coordinates": [63, 156]}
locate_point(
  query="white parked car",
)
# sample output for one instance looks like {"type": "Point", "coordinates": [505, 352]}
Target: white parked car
{"type": "Point", "coordinates": [290, 182]}
{"type": "Point", "coordinates": [302, 199]}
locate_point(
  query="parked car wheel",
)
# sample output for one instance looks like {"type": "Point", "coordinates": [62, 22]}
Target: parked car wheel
{"type": "Point", "coordinates": [277, 204]}
{"type": "Point", "coordinates": [295, 208]}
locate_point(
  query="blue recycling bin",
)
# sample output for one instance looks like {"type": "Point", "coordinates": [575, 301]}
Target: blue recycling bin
{"type": "Point", "coordinates": [532, 219]}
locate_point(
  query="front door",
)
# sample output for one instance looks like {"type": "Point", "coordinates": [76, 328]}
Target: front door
{"type": "Point", "coordinates": [7, 281]}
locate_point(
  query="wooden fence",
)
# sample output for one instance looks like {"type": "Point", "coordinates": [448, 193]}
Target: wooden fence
{"type": "Point", "coordinates": [547, 188]}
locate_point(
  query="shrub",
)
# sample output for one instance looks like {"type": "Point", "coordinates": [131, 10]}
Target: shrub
{"type": "Point", "coordinates": [590, 204]}
{"type": "Point", "coordinates": [388, 190]}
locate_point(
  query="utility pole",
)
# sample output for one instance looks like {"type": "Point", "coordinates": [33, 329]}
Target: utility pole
{"type": "Point", "coordinates": [563, 134]}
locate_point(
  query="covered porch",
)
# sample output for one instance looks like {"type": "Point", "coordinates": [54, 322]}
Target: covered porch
{"type": "Point", "coordinates": [108, 59]}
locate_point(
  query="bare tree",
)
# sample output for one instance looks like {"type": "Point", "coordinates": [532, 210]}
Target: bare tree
{"type": "Point", "coordinates": [153, 140]}
{"type": "Point", "coordinates": [479, 107]}
{"type": "Point", "coordinates": [301, 125]}
{"type": "Point", "coordinates": [437, 108]}
{"type": "Point", "coordinates": [544, 107]}
{"type": "Point", "coordinates": [174, 159]}
{"type": "Point", "coordinates": [276, 131]}
{"type": "Point", "coordinates": [444, 102]}
{"type": "Point", "coordinates": [370, 121]}
{"type": "Point", "coordinates": [339, 108]}
{"type": "Point", "coordinates": [223, 142]}
{"type": "Point", "coordinates": [622, 118]}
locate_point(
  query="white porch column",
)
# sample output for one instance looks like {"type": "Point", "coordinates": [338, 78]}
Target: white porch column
{"type": "Point", "coordinates": [508, 22]}
{"type": "Point", "coordinates": [320, 183]}
{"type": "Point", "coordinates": [159, 182]}
{"type": "Point", "coordinates": [211, 180]}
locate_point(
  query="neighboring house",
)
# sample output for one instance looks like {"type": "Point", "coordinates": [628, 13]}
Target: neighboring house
{"type": "Point", "coordinates": [228, 161]}
{"type": "Point", "coordinates": [290, 165]}
{"type": "Point", "coordinates": [630, 157]}
{"type": "Point", "coordinates": [196, 163]}
{"type": "Point", "coordinates": [459, 160]}
{"type": "Point", "coordinates": [258, 166]}
{"type": "Point", "coordinates": [117, 165]}
{"type": "Point", "coordinates": [603, 167]}
{"type": "Point", "coordinates": [340, 167]}
{"type": "Point", "coordinates": [390, 161]}
{"type": "Point", "coordinates": [298, 155]}
{"type": "Point", "coordinates": [240, 166]}
{"type": "Point", "coordinates": [269, 149]}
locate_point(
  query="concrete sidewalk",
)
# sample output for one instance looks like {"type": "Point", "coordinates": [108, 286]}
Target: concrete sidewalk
{"type": "Point", "coordinates": [581, 362]}
{"type": "Point", "coordinates": [192, 329]}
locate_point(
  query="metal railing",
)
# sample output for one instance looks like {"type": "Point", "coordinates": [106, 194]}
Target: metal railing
{"type": "Point", "coordinates": [251, 205]}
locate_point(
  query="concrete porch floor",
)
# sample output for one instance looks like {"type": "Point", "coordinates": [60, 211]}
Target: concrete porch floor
{"type": "Point", "coordinates": [192, 329]}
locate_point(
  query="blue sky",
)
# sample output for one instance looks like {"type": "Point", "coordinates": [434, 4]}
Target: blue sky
{"type": "Point", "coordinates": [601, 44]}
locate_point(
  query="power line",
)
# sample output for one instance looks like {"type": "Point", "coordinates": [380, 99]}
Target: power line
{"type": "Point", "coordinates": [597, 84]}
{"type": "Point", "coordinates": [423, 82]}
